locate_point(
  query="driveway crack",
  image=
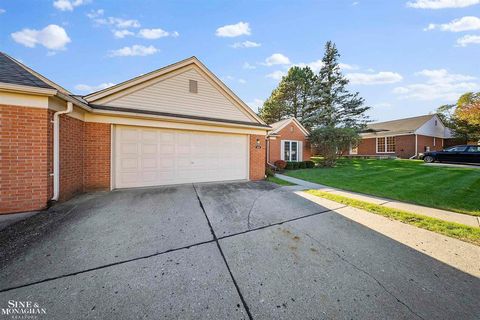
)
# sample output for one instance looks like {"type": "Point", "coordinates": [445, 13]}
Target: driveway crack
{"type": "Point", "coordinates": [366, 273]}
{"type": "Point", "coordinates": [245, 306]}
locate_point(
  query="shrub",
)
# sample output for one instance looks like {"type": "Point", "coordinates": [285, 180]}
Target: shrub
{"type": "Point", "coordinates": [269, 172]}
{"type": "Point", "coordinates": [310, 164]}
{"type": "Point", "coordinates": [280, 164]}
{"type": "Point", "coordinates": [302, 165]}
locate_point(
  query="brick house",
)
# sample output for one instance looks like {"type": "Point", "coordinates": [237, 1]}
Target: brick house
{"type": "Point", "coordinates": [288, 141]}
{"type": "Point", "coordinates": [404, 138]}
{"type": "Point", "coordinates": [177, 124]}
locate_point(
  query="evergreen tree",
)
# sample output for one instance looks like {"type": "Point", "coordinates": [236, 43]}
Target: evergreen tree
{"type": "Point", "coordinates": [332, 104]}
{"type": "Point", "coordinates": [291, 97]}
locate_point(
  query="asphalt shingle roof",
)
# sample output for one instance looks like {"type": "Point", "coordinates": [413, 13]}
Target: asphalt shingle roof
{"type": "Point", "coordinates": [11, 72]}
{"type": "Point", "coordinates": [407, 124]}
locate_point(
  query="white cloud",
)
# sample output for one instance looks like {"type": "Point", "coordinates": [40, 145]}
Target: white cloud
{"type": "Point", "coordinates": [255, 104]}
{"type": "Point", "coordinates": [246, 44]}
{"type": "Point", "coordinates": [242, 81]}
{"type": "Point", "coordinates": [52, 37]}
{"type": "Point", "coordinates": [439, 85]}
{"type": "Point", "coordinates": [248, 66]}
{"type": "Point", "coordinates": [89, 88]}
{"type": "Point", "coordinates": [68, 5]}
{"type": "Point", "coordinates": [2, 10]}
{"type": "Point", "coordinates": [457, 25]}
{"type": "Point", "coordinates": [120, 34]}
{"type": "Point", "coordinates": [314, 65]}
{"type": "Point", "coordinates": [355, 3]}
{"type": "Point", "coordinates": [156, 33]}
{"type": "Point", "coordinates": [441, 4]}
{"type": "Point", "coordinates": [276, 75]}
{"type": "Point", "coordinates": [346, 66]}
{"type": "Point", "coordinates": [382, 105]}
{"type": "Point", "coordinates": [119, 23]}
{"type": "Point", "coordinates": [468, 39]}
{"type": "Point", "coordinates": [381, 77]}
{"type": "Point", "coordinates": [276, 58]}
{"type": "Point", "coordinates": [234, 30]}
{"type": "Point", "coordinates": [135, 50]}
{"type": "Point", "coordinates": [95, 13]}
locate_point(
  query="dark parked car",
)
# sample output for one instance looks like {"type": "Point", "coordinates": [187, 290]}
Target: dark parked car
{"type": "Point", "coordinates": [465, 153]}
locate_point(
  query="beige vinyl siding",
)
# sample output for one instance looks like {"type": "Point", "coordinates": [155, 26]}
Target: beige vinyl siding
{"type": "Point", "coordinates": [172, 95]}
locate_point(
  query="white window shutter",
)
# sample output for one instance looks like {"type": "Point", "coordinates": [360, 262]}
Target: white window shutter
{"type": "Point", "coordinates": [282, 150]}
{"type": "Point", "coordinates": [300, 150]}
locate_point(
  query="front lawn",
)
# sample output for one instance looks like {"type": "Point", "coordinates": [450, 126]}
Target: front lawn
{"type": "Point", "coordinates": [455, 189]}
{"type": "Point", "coordinates": [451, 229]}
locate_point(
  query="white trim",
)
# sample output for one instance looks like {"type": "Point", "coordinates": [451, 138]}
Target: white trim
{"type": "Point", "coordinates": [299, 125]}
{"type": "Point", "coordinates": [282, 148]}
{"type": "Point", "coordinates": [434, 141]}
{"type": "Point", "coordinates": [248, 157]}
{"type": "Point", "coordinates": [27, 89]}
{"type": "Point", "coordinates": [112, 157]}
{"type": "Point", "coordinates": [385, 137]}
{"type": "Point", "coordinates": [300, 150]}
{"type": "Point", "coordinates": [416, 145]}
{"type": "Point", "coordinates": [351, 150]}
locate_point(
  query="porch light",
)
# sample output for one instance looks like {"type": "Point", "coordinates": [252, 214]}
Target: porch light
{"type": "Point", "coordinates": [258, 145]}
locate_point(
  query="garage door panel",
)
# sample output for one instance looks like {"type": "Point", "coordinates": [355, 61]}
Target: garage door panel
{"type": "Point", "coordinates": [150, 156]}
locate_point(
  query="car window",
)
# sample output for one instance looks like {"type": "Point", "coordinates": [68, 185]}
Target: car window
{"type": "Point", "coordinates": [473, 149]}
{"type": "Point", "coordinates": [456, 149]}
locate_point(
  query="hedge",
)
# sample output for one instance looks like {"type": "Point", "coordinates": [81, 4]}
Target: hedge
{"type": "Point", "coordinates": [292, 165]}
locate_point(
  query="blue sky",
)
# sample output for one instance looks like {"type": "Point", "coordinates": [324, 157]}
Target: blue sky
{"type": "Point", "coordinates": [404, 57]}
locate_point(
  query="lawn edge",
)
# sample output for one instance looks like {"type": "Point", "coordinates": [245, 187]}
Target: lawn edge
{"type": "Point", "coordinates": [446, 228]}
{"type": "Point", "coordinates": [280, 182]}
{"type": "Point", "coordinates": [464, 212]}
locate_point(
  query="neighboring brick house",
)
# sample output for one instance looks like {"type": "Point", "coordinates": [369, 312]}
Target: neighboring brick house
{"type": "Point", "coordinates": [404, 138]}
{"type": "Point", "coordinates": [178, 124]}
{"type": "Point", "coordinates": [288, 141]}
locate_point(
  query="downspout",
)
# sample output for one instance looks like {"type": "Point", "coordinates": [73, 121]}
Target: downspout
{"type": "Point", "coordinates": [416, 145]}
{"type": "Point", "coordinates": [56, 150]}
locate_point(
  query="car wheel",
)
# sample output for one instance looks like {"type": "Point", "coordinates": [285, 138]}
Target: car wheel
{"type": "Point", "coordinates": [428, 159]}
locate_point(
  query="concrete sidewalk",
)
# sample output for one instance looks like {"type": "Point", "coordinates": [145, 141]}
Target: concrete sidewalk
{"type": "Point", "coordinates": [426, 211]}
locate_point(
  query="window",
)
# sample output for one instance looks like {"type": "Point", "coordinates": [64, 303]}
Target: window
{"type": "Point", "coordinates": [291, 150]}
{"type": "Point", "coordinates": [473, 149]}
{"type": "Point", "coordinates": [436, 123]}
{"type": "Point", "coordinates": [456, 149]}
{"type": "Point", "coordinates": [193, 86]}
{"type": "Point", "coordinates": [353, 150]}
{"type": "Point", "coordinates": [386, 145]}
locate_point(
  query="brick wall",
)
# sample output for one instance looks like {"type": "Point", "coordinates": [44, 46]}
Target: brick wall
{"type": "Point", "coordinates": [287, 134]}
{"type": "Point", "coordinates": [426, 141]}
{"type": "Point", "coordinates": [257, 157]}
{"type": "Point", "coordinates": [71, 156]}
{"type": "Point", "coordinates": [405, 146]}
{"type": "Point", "coordinates": [23, 158]}
{"type": "Point", "coordinates": [97, 146]}
{"type": "Point", "coordinates": [367, 147]}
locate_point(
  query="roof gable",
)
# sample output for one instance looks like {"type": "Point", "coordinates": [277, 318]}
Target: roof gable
{"type": "Point", "coordinates": [279, 125]}
{"type": "Point", "coordinates": [11, 72]}
{"type": "Point", "coordinates": [166, 90]}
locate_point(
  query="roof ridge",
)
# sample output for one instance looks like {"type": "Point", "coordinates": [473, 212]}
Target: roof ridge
{"type": "Point", "coordinates": [38, 75]}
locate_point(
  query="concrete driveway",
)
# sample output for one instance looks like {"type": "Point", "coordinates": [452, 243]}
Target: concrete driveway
{"type": "Point", "coordinates": [220, 251]}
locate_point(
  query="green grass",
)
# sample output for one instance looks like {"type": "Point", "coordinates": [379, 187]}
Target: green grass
{"type": "Point", "coordinates": [279, 181]}
{"type": "Point", "coordinates": [451, 229]}
{"type": "Point", "coordinates": [455, 189]}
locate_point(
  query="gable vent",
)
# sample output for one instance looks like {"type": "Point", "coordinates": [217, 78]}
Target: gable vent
{"type": "Point", "coordinates": [193, 85]}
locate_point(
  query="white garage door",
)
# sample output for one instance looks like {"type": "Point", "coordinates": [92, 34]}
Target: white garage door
{"type": "Point", "coordinates": [150, 157]}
